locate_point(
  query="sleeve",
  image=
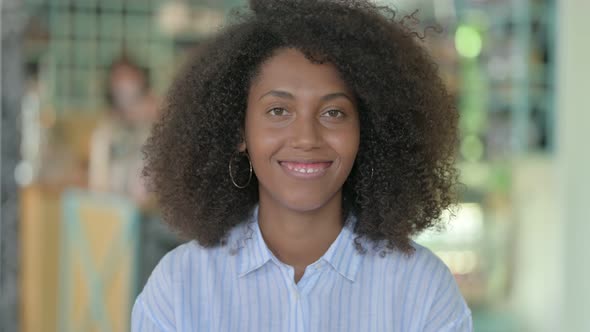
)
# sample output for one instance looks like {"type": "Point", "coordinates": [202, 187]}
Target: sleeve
{"type": "Point", "coordinates": [449, 312]}
{"type": "Point", "coordinates": [153, 309]}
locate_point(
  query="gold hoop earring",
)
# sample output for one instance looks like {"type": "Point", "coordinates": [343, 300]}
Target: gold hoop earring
{"type": "Point", "coordinates": [231, 175]}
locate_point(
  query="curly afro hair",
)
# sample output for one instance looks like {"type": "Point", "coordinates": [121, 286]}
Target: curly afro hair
{"type": "Point", "coordinates": [404, 175]}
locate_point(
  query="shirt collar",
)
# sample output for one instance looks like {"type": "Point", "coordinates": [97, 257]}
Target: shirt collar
{"type": "Point", "coordinates": [253, 252]}
{"type": "Point", "coordinates": [343, 255]}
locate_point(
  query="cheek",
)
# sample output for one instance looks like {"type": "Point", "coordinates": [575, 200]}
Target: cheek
{"type": "Point", "coordinates": [346, 144]}
{"type": "Point", "coordinates": [260, 148]}
{"type": "Point", "coordinates": [261, 142]}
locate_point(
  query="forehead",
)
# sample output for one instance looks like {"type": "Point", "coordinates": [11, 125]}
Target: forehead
{"type": "Point", "coordinates": [124, 71]}
{"type": "Point", "coordinates": [289, 68]}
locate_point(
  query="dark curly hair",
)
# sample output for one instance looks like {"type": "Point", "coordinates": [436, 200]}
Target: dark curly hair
{"type": "Point", "coordinates": [404, 175]}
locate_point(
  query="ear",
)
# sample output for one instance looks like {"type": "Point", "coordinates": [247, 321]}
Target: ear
{"type": "Point", "coordinates": [242, 146]}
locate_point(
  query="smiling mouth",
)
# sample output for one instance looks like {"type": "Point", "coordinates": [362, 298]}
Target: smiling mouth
{"type": "Point", "coordinates": [305, 169]}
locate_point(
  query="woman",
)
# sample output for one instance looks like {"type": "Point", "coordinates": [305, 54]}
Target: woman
{"type": "Point", "coordinates": [300, 150]}
{"type": "Point", "coordinates": [115, 151]}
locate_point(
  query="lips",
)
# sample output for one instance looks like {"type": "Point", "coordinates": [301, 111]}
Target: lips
{"type": "Point", "coordinates": [305, 169]}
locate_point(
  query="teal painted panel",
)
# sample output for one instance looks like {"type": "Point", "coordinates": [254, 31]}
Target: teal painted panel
{"type": "Point", "coordinates": [96, 274]}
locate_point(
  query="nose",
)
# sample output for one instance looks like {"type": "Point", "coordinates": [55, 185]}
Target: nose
{"type": "Point", "coordinates": [305, 133]}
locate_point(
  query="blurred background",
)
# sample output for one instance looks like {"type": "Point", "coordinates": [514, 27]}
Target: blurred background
{"type": "Point", "coordinates": [81, 83]}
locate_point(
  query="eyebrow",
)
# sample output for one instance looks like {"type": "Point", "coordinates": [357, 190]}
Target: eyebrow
{"type": "Point", "coordinates": [288, 95]}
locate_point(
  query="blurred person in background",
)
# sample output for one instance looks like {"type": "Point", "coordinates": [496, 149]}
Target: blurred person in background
{"type": "Point", "coordinates": [115, 156]}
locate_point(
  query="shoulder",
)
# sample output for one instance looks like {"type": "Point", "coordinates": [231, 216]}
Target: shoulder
{"type": "Point", "coordinates": [174, 260]}
{"type": "Point", "coordinates": [170, 269]}
{"type": "Point", "coordinates": [157, 306]}
{"type": "Point", "coordinates": [424, 258]}
{"type": "Point", "coordinates": [423, 287]}
{"type": "Point", "coordinates": [419, 260]}
{"type": "Point", "coordinates": [416, 274]}
{"type": "Point", "coordinates": [186, 259]}
{"type": "Point", "coordinates": [447, 309]}
{"type": "Point", "coordinates": [426, 270]}
{"type": "Point", "coordinates": [191, 258]}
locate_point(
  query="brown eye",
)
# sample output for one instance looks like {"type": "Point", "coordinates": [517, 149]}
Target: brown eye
{"type": "Point", "coordinates": [333, 113]}
{"type": "Point", "coordinates": [278, 111]}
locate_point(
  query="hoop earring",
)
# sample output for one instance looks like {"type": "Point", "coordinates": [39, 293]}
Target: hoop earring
{"type": "Point", "coordinates": [231, 175]}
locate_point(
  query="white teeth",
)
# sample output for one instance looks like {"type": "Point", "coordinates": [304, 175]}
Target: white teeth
{"type": "Point", "coordinates": [304, 170]}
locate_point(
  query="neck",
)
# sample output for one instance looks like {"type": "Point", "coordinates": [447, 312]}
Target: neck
{"type": "Point", "coordinates": [299, 238]}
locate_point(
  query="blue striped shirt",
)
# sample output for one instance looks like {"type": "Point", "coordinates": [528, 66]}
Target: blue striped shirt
{"type": "Point", "coordinates": [243, 287]}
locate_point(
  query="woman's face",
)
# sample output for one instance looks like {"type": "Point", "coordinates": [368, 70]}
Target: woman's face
{"type": "Point", "coordinates": [301, 131]}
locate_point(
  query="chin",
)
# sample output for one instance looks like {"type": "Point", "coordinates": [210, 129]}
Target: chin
{"type": "Point", "coordinates": [305, 202]}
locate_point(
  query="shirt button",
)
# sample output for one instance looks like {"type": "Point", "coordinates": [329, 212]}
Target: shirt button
{"type": "Point", "coordinates": [296, 295]}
